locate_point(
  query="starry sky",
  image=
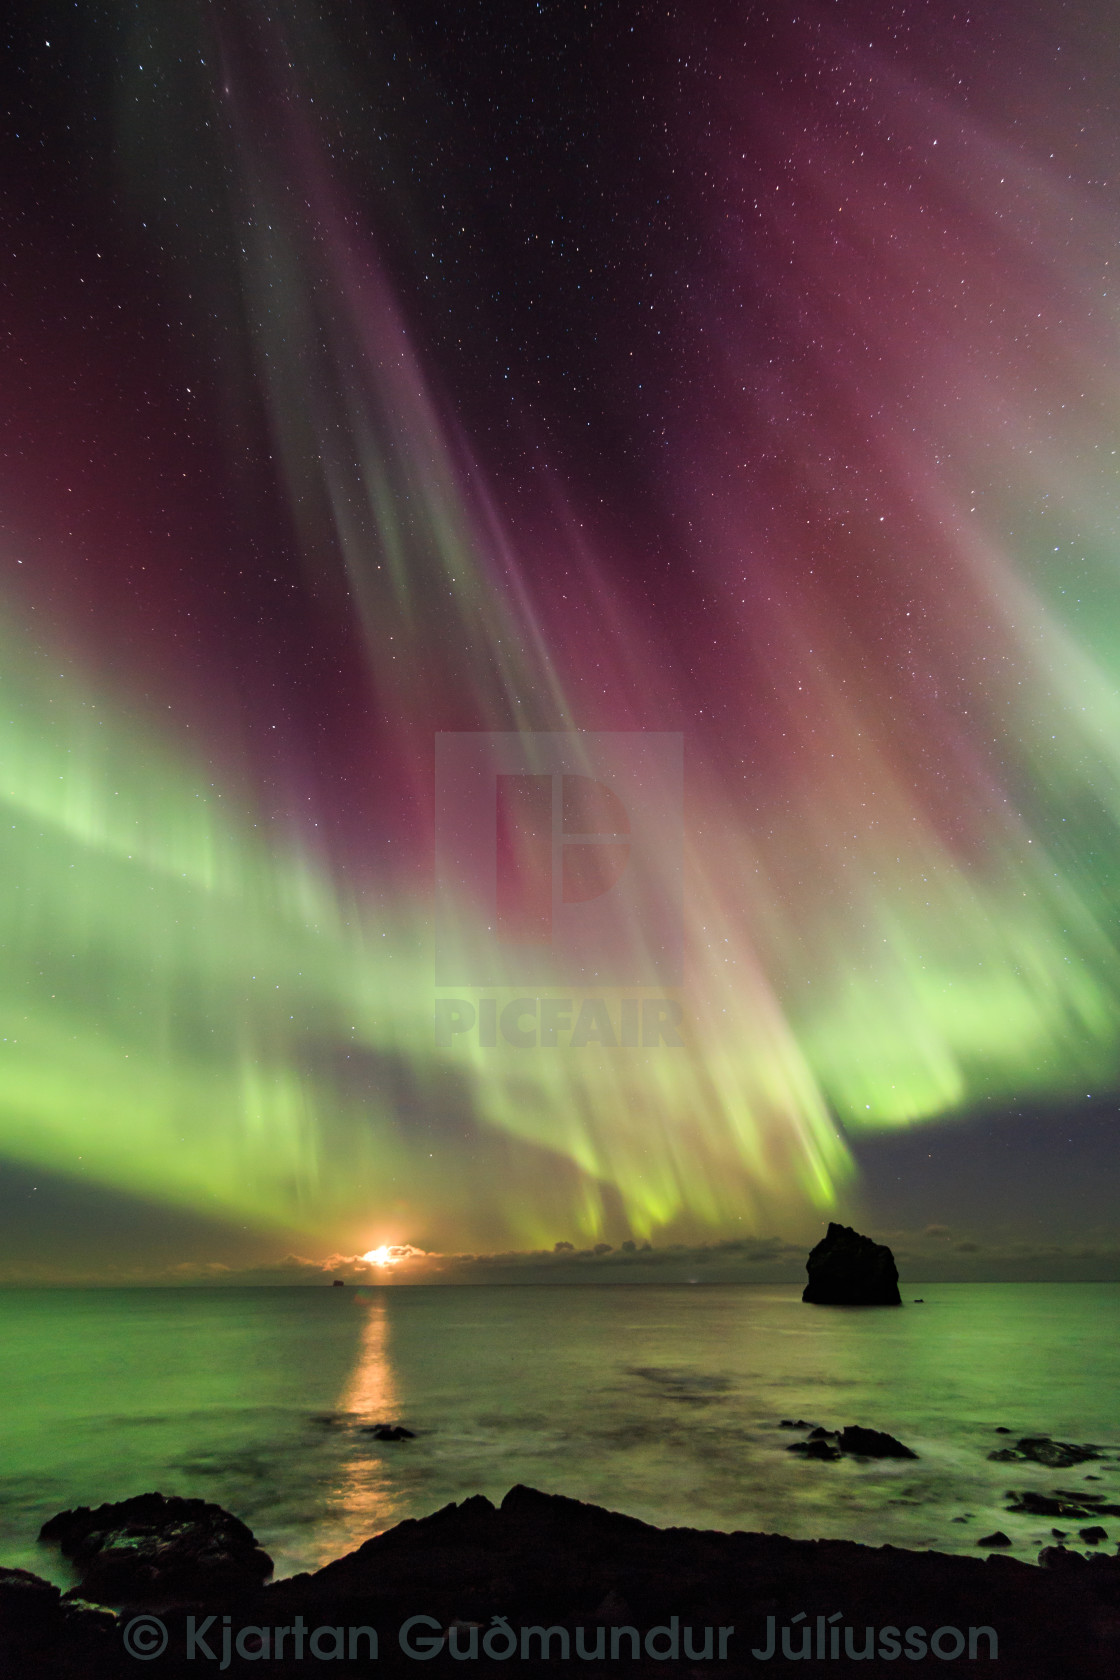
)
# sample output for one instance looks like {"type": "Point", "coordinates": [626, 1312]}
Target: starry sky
{"type": "Point", "coordinates": [739, 373]}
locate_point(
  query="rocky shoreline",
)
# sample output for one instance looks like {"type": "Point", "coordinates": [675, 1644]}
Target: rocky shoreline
{"type": "Point", "coordinates": [473, 1587]}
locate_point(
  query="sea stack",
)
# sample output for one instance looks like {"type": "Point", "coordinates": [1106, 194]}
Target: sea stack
{"type": "Point", "coordinates": [847, 1270]}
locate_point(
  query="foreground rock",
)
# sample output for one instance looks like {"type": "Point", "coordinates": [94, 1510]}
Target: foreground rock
{"type": "Point", "coordinates": [847, 1270]}
{"type": "Point", "coordinates": [153, 1549]}
{"type": "Point", "coordinates": [586, 1578]}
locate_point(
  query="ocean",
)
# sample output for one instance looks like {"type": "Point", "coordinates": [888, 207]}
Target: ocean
{"type": "Point", "coordinates": [663, 1402]}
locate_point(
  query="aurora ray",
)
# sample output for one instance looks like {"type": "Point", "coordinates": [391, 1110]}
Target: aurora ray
{"type": "Point", "coordinates": [901, 711]}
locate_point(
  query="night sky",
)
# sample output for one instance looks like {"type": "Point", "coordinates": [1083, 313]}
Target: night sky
{"type": "Point", "coordinates": [744, 372]}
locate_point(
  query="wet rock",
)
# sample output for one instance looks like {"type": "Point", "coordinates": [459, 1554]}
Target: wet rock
{"type": "Point", "coordinates": [800, 1423]}
{"type": "Point", "coordinates": [831, 1444]}
{"type": "Point", "coordinates": [544, 1560]}
{"type": "Point", "coordinates": [25, 1599]}
{"type": "Point", "coordinates": [815, 1449]}
{"type": "Point", "coordinates": [1060, 1533]}
{"type": "Point", "coordinates": [872, 1443]}
{"type": "Point", "coordinates": [1040, 1449]}
{"type": "Point", "coordinates": [999, 1538]}
{"type": "Point", "coordinates": [152, 1549]}
{"type": "Point", "coordinates": [389, 1432]}
{"type": "Point", "coordinates": [1001, 1429]}
{"type": "Point", "coordinates": [1059, 1504]}
{"type": "Point", "coordinates": [1057, 1557]}
{"type": "Point", "coordinates": [45, 1637]}
{"type": "Point", "coordinates": [1093, 1536]}
{"type": "Point", "coordinates": [849, 1270]}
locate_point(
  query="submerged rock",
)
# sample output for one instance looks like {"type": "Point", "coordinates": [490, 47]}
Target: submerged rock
{"type": "Point", "coordinates": [847, 1270]}
{"type": "Point", "coordinates": [389, 1432]}
{"type": "Point", "coordinates": [1040, 1449]}
{"type": "Point", "coordinates": [153, 1549]}
{"type": "Point", "coordinates": [1060, 1503]}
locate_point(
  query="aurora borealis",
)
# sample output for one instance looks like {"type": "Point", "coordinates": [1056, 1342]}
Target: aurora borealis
{"type": "Point", "coordinates": [740, 373]}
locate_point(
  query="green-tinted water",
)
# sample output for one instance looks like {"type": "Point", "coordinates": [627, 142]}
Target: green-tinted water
{"type": "Point", "coordinates": [663, 1402]}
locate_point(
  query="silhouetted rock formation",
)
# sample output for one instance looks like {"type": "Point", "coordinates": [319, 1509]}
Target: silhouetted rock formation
{"type": "Point", "coordinates": [830, 1444]}
{"type": "Point", "coordinates": [847, 1270]}
{"type": "Point", "coordinates": [872, 1443]}
{"type": "Point", "coordinates": [546, 1566]}
{"type": "Point", "coordinates": [815, 1449]}
{"type": "Point", "coordinates": [152, 1548]}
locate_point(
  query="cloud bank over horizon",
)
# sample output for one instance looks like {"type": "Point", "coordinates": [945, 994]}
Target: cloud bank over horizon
{"type": "Point", "coordinates": [936, 1253]}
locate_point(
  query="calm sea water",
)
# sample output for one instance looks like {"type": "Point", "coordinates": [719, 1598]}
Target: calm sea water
{"type": "Point", "coordinates": [662, 1402]}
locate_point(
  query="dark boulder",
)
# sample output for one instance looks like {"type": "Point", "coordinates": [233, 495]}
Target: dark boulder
{"type": "Point", "coordinates": [831, 1444]}
{"type": "Point", "coordinates": [1057, 1557]}
{"type": "Point", "coordinates": [1040, 1449]}
{"type": "Point", "coordinates": [543, 1562]}
{"type": "Point", "coordinates": [1093, 1536]}
{"type": "Point", "coordinates": [45, 1634]}
{"type": "Point", "coordinates": [872, 1443]}
{"type": "Point", "coordinates": [26, 1601]}
{"type": "Point", "coordinates": [815, 1449]}
{"type": "Point", "coordinates": [1060, 1503]}
{"type": "Point", "coordinates": [153, 1549]}
{"type": "Point", "coordinates": [389, 1432]}
{"type": "Point", "coordinates": [847, 1270]}
{"type": "Point", "coordinates": [999, 1538]}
